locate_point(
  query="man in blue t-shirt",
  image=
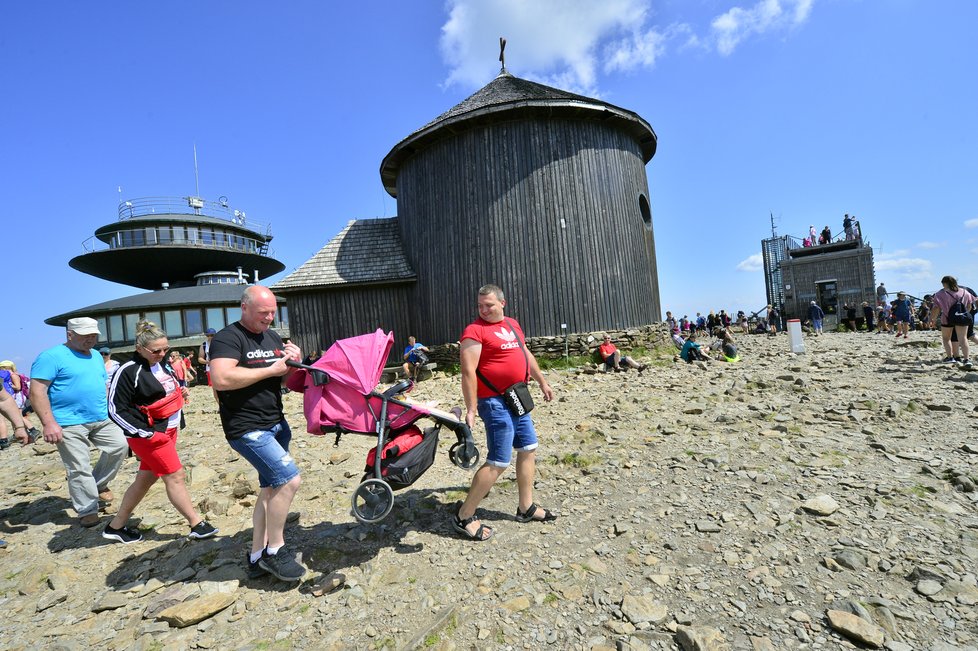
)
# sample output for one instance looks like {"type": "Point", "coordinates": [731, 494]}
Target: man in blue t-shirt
{"type": "Point", "coordinates": [68, 395]}
{"type": "Point", "coordinates": [415, 356]}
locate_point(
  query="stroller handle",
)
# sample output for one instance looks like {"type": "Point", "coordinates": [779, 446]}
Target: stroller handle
{"type": "Point", "coordinates": [319, 376]}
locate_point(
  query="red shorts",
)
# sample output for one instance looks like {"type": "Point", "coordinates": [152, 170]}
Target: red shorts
{"type": "Point", "coordinates": [157, 454]}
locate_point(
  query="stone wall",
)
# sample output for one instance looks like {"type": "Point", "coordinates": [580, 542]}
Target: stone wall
{"type": "Point", "coordinates": [578, 344]}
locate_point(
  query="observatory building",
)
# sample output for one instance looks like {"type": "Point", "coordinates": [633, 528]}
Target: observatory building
{"type": "Point", "coordinates": [536, 189]}
{"type": "Point", "coordinates": [833, 275]}
{"type": "Point", "coordinates": [195, 254]}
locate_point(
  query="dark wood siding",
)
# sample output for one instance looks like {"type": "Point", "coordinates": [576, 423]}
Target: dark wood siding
{"type": "Point", "coordinates": [549, 209]}
{"type": "Point", "coordinates": [852, 270]}
{"type": "Point", "coordinates": [318, 318]}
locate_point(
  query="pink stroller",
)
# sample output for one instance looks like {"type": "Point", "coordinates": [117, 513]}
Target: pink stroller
{"type": "Point", "coordinates": [339, 397]}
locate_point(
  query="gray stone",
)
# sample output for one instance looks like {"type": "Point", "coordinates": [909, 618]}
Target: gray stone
{"type": "Point", "coordinates": [855, 628]}
{"type": "Point", "coordinates": [700, 638]}
{"type": "Point", "coordinates": [196, 610]}
{"type": "Point", "coordinates": [821, 505]}
{"type": "Point", "coordinates": [643, 608]}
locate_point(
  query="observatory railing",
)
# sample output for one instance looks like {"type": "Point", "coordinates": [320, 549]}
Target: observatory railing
{"type": "Point", "coordinates": [196, 206]}
{"type": "Point", "coordinates": [149, 237]}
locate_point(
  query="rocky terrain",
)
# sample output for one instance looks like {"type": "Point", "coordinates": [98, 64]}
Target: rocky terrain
{"type": "Point", "coordinates": [817, 501]}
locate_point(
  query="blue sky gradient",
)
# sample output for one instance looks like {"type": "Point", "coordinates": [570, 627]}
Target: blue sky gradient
{"type": "Point", "coordinates": [806, 109]}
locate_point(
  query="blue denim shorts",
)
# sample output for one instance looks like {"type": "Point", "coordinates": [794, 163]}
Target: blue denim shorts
{"type": "Point", "coordinates": [268, 452]}
{"type": "Point", "coordinates": [505, 432]}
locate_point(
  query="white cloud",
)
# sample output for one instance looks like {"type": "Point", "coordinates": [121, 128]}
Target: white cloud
{"type": "Point", "coordinates": [931, 245]}
{"type": "Point", "coordinates": [909, 268]}
{"type": "Point", "coordinates": [640, 49]}
{"type": "Point", "coordinates": [753, 263]}
{"type": "Point", "coordinates": [567, 43]}
{"type": "Point", "coordinates": [731, 28]}
{"type": "Point", "coordinates": [556, 40]}
{"type": "Point", "coordinates": [899, 253]}
{"type": "Point", "coordinates": [971, 223]}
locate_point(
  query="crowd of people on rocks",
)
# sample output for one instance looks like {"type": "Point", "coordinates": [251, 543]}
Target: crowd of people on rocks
{"type": "Point", "coordinates": [951, 310]}
{"type": "Point", "coordinates": [84, 398]}
{"type": "Point", "coordinates": [717, 327]}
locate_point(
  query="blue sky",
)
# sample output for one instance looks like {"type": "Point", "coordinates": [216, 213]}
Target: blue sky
{"type": "Point", "coordinates": [806, 109]}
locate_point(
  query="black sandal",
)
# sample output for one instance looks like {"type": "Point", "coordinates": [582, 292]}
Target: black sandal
{"type": "Point", "coordinates": [459, 525]}
{"type": "Point", "coordinates": [530, 512]}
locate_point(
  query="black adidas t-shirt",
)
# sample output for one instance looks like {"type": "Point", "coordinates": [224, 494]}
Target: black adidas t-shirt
{"type": "Point", "coordinates": [254, 407]}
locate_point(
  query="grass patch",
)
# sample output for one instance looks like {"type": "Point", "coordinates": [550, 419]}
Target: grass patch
{"type": "Point", "coordinates": [550, 599]}
{"type": "Point", "coordinates": [920, 490]}
{"type": "Point", "coordinates": [563, 363]}
{"type": "Point", "coordinates": [431, 640]}
{"type": "Point", "coordinates": [454, 496]}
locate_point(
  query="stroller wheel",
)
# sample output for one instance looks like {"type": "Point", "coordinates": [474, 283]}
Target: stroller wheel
{"type": "Point", "coordinates": [464, 454]}
{"type": "Point", "coordinates": [372, 501]}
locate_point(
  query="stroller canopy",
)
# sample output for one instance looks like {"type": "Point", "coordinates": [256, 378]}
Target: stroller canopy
{"type": "Point", "coordinates": [354, 366]}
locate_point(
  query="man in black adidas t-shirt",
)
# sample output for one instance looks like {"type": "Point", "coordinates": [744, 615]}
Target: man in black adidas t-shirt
{"type": "Point", "coordinates": [247, 370]}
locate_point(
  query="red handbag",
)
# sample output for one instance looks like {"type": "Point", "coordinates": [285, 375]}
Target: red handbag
{"type": "Point", "coordinates": [163, 408]}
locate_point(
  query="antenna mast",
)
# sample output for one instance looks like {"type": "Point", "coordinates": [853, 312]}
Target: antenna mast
{"type": "Point", "coordinates": [502, 55]}
{"type": "Point", "coordinates": [196, 177]}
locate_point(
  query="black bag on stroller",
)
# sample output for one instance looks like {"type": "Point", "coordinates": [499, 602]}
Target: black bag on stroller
{"type": "Point", "coordinates": [406, 457]}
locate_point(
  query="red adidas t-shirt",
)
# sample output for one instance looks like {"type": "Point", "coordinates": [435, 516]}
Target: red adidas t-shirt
{"type": "Point", "coordinates": [502, 361]}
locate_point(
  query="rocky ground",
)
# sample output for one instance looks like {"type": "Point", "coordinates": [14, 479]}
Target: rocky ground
{"type": "Point", "coordinates": [818, 501]}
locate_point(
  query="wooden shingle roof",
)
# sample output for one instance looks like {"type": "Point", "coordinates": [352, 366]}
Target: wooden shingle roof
{"type": "Point", "coordinates": [367, 251]}
{"type": "Point", "coordinates": [505, 98]}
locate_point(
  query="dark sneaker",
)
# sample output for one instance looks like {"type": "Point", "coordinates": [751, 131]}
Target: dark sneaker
{"type": "Point", "coordinates": [125, 535]}
{"type": "Point", "coordinates": [255, 571]}
{"type": "Point", "coordinates": [33, 435]}
{"type": "Point", "coordinates": [282, 565]}
{"type": "Point", "coordinates": [4, 444]}
{"type": "Point", "coordinates": [203, 529]}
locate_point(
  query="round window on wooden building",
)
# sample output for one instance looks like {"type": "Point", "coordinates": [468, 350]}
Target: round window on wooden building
{"type": "Point", "coordinates": [643, 205]}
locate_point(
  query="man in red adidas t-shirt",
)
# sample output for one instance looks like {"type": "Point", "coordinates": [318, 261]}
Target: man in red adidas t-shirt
{"type": "Point", "coordinates": [493, 346]}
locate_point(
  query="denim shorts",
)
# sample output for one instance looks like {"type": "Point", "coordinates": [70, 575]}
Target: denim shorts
{"type": "Point", "coordinates": [505, 432]}
{"type": "Point", "coordinates": [268, 452]}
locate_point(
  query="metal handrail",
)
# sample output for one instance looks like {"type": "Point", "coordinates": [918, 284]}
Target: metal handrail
{"type": "Point", "coordinates": [798, 242]}
{"type": "Point", "coordinates": [93, 244]}
{"type": "Point", "coordinates": [196, 206]}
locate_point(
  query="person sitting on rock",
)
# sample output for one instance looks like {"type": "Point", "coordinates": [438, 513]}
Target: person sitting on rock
{"type": "Point", "coordinates": [415, 357]}
{"type": "Point", "coordinates": [678, 339]}
{"type": "Point", "coordinates": [613, 359]}
{"type": "Point", "coordinates": [691, 351]}
{"type": "Point", "coordinates": [728, 353]}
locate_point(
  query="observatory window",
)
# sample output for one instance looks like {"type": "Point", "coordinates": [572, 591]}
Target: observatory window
{"type": "Point", "coordinates": [131, 320]}
{"type": "Point", "coordinates": [137, 238]}
{"type": "Point", "coordinates": [154, 317]}
{"type": "Point", "coordinates": [115, 328]}
{"type": "Point", "coordinates": [215, 318]}
{"type": "Point", "coordinates": [234, 314]}
{"type": "Point", "coordinates": [151, 236]}
{"type": "Point", "coordinates": [165, 235]}
{"type": "Point", "coordinates": [173, 323]}
{"type": "Point", "coordinates": [195, 321]}
{"type": "Point", "coordinates": [192, 234]}
{"type": "Point", "coordinates": [646, 210]}
{"type": "Point", "coordinates": [179, 234]}
{"type": "Point", "coordinates": [103, 329]}
{"type": "Point", "coordinates": [283, 315]}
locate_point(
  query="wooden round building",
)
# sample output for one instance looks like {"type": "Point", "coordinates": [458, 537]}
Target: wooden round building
{"type": "Point", "coordinates": [538, 190]}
